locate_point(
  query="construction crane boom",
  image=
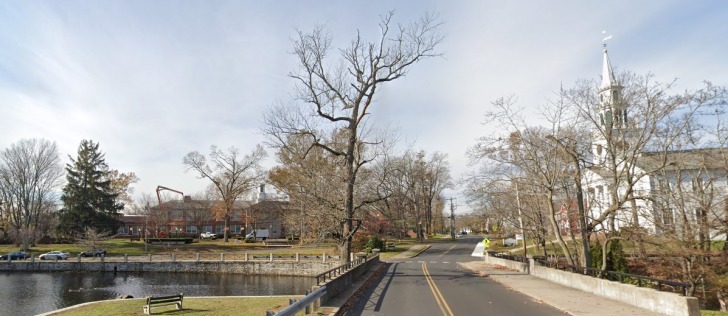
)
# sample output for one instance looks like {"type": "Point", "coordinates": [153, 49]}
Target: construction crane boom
{"type": "Point", "coordinates": [159, 199]}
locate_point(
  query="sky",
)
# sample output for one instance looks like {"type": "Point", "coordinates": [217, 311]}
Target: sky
{"type": "Point", "coordinates": [151, 81]}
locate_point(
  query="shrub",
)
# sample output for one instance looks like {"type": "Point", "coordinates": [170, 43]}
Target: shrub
{"type": "Point", "coordinates": [374, 242]}
{"type": "Point", "coordinates": [616, 260]}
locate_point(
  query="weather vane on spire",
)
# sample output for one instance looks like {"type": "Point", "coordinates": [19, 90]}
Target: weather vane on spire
{"type": "Point", "coordinates": [605, 39]}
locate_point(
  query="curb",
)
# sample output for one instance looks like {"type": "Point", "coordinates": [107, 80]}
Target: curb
{"type": "Point", "coordinates": [420, 251]}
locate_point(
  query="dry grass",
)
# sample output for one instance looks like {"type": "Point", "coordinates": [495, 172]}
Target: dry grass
{"type": "Point", "coordinates": [254, 306]}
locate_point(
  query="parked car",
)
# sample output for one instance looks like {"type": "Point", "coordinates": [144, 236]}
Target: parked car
{"type": "Point", "coordinates": [208, 235]}
{"type": "Point", "coordinates": [510, 242]}
{"type": "Point", "coordinates": [55, 255]}
{"type": "Point", "coordinates": [94, 253]}
{"type": "Point", "coordinates": [260, 234]}
{"type": "Point", "coordinates": [17, 255]}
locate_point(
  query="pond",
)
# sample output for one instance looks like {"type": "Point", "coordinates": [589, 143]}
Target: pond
{"type": "Point", "coordinates": [30, 293]}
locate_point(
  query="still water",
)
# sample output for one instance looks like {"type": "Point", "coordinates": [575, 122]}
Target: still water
{"type": "Point", "coordinates": [33, 293]}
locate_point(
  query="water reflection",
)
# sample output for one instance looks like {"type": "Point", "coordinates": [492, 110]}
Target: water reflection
{"type": "Point", "coordinates": [33, 293]}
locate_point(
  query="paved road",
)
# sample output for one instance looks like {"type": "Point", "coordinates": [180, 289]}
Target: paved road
{"type": "Point", "coordinates": [434, 284]}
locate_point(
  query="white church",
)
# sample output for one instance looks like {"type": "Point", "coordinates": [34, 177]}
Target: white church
{"type": "Point", "coordinates": [678, 192]}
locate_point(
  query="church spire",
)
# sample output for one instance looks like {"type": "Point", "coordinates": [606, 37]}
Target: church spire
{"type": "Point", "coordinates": [608, 79]}
{"type": "Point", "coordinates": [613, 111]}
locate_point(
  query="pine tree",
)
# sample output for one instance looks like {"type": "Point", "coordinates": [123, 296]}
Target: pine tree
{"type": "Point", "coordinates": [88, 199]}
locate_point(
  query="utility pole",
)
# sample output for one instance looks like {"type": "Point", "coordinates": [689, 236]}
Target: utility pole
{"type": "Point", "coordinates": [520, 221]}
{"type": "Point", "coordinates": [452, 219]}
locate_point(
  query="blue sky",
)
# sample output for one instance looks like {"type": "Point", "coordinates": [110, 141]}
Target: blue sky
{"type": "Point", "coordinates": [153, 80]}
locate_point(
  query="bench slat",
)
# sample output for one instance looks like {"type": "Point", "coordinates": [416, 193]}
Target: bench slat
{"type": "Point", "coordinates": [163, 300]}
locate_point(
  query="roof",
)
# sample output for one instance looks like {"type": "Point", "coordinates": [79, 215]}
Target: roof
{"type": "Point", "coordinates": [608, 78]}
{"type": "Point", "coordinates": [693, 159]}
{"type": "Point", "coordinates": [268, 205]}
{"type": "Point", "coordinates": [198, 204]}
{"type": "Point", "coordinates": [132, 219]}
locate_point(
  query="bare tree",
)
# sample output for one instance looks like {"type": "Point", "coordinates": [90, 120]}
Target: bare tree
{"type": "Point", "coordinates": [92, 239]}
{"type": "Point", "coordinates": [199, 211]}
{"type": "Point", "coordinates": [30, 174]}
{"type": "Point", "coordinates": [231, 175]}
{"type": "Point", "coordinates": [340, 95]}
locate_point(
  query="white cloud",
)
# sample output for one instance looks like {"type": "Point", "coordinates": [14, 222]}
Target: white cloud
{"type": "Point", "coordinates": [153, 81]}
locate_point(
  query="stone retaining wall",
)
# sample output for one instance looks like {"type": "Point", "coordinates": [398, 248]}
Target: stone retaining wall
{"type": "Point", "coordinates": [292, 268]}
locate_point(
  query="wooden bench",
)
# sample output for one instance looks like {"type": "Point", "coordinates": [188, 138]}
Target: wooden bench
{"type": "Point", "coordinates": [276, 243]}
{"type": "Point", "coordinates": [163, 300]}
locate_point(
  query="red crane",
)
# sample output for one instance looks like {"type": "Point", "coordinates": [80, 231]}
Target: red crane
{"type": "Point", "coordinates": [161, 208]}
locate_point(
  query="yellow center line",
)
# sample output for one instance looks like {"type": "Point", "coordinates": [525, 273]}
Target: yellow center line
{"type": "Point", "coordinates": [444, 308]}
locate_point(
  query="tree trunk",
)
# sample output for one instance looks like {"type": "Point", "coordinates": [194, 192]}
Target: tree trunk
{"type": "Point", "coordinates": [557, 231]}
{"type": "Point", "coordinates": [225, 230]}
{"type": "Point", "coordinates": [351, 179]}
{"type": "Point", "coordinates": [637, 231]}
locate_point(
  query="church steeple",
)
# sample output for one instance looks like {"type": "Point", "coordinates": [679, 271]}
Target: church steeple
{"type": "Point", "coordinates": [607, 72]}
{"type": "Point", "coordinates": [612, 110]}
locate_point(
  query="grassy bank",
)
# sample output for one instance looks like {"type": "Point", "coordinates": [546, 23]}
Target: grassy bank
{"type": "Point", "coordinates": [120, 247]}
{"type": "Point", "coordinates": [253, 306]}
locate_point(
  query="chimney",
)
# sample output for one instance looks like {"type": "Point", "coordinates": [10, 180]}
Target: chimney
{"type": "Point", "coordinates": [261, 194]}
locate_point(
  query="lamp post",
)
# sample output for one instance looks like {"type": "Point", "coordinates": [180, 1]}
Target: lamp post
{"type": "Point", "coordinates": [146, 226]}
{"type": "Point", "coordinates": [569, 150]}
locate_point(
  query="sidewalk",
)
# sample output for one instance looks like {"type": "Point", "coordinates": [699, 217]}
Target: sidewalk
{"type": "Point", "coordinates": [569, 300]}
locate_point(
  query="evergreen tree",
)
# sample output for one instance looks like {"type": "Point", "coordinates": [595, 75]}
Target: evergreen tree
{"type": "Point", "coordinates": [88, 199]}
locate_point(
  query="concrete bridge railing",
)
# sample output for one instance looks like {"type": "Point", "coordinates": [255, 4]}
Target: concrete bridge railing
{"type": "Point", "coordinates": [661, 302]}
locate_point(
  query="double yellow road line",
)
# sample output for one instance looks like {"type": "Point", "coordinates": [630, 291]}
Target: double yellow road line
{"type": "Point", "coordinates": [444, 308]}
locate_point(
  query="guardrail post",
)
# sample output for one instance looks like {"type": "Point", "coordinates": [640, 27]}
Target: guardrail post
{"type": "Point", "coordinates": [79, 258]}
{"type": "Point", "coordinates": [324, 257]}
{"type": "Point", "coordinates": [222, 257]}
{"type": "Point", "coordinates": [150, 257]}
{"type": "Point", "coordinates": [308, 307]}
{"type": "Point", "coordinates": [197, 257]}
{"type": "Point", "coordinates": [126, 258]}
{"type": "Point", "coordinates": [298, 259]}
{"type": "Point", "coordinates": [102, 258]}
{"type": "Point", "coordinates": [271, 256]}
{"type": "Point", "coordinates": [246, 256]}
{"type": "Point", "coordinates": [174, 257]}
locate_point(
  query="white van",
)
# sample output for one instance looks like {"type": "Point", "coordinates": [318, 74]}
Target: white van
{"type": "Point", "coordinates": [260, 234]}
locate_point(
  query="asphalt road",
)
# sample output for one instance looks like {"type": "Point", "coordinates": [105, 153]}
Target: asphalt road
{"type": "Point", "coordinates": [434, 284]}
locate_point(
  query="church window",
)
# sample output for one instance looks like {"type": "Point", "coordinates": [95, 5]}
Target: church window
{"type": "Point", "coordinates": [608, 118]}
{"type": "Point", "coordinates": [618, 118]}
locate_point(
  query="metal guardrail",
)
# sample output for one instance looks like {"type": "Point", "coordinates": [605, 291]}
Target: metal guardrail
{"type": "Point", "coordinates": [639, 280]}
{"type": "Point", "coordinates": [512, 257]}
{"type": "Point", "coordinates": [332, 273]}
{"type": "Point", "coordinates": [302, 304]}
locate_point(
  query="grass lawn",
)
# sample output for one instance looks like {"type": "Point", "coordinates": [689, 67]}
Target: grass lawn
{"type": "Point", "coordinates": [713, 313]}
{"type": "Point", "coordinates": [120, 247]}
{"type": "Point", "coordinates": [253, 306]}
